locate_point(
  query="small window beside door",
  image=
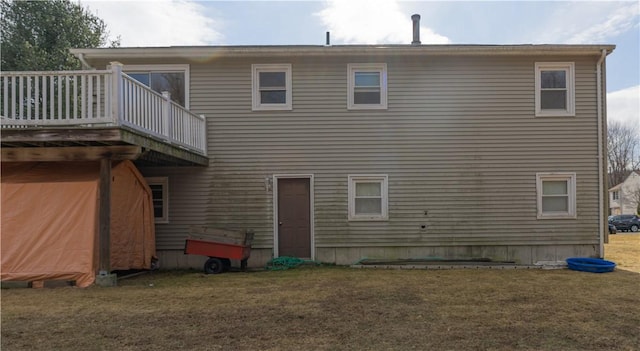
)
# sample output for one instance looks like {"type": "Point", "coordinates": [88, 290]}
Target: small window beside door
{"type": "Point", "coordinates": [368, 197]}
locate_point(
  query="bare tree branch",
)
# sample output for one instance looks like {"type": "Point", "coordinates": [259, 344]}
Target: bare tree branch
{"type": "Point", "coordinates": [623, 142]}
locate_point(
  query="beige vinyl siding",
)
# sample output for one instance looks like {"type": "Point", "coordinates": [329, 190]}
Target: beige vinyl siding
{"type": "Point", "coordinates": [459, 142]}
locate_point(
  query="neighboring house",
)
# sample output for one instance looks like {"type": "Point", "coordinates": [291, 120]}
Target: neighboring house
{"type": "Point", "coordinates": [624, 197]}
{"type": "Point", "coordinates": [338, 153]}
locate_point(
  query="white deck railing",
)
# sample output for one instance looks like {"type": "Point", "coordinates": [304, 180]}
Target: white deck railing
{"type": "Point", "coordinates": [96, 98]}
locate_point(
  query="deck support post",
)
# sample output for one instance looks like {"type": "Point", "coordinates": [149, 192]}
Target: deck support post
{"type": "Point", "coordinates": [104, 277]}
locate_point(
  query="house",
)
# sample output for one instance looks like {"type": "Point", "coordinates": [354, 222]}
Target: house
{"type": "Point", "coordinates": [339, 153]}
{"type": "Point", "coordinates": [624, 197]}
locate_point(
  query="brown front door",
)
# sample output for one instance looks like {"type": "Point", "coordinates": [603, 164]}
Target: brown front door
{"type": "Point", "coordinates": [294, 225]}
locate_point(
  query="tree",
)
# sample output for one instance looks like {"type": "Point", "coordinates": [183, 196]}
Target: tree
{"type": "Point", "coordinates": [623, 142]}
{"type": "Point", "coordinates": [37, 35]}
{"type": "Point", "coordinates": [635, 198]}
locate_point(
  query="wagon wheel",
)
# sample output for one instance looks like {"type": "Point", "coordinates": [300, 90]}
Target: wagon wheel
{"type": "Point", "coordinates": [226, 264]}
{"type": "Point", "coordinates": [213, 265]}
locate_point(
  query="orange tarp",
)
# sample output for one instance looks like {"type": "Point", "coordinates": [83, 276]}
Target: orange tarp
{"type": "Point", "coordinates": [50, 223]}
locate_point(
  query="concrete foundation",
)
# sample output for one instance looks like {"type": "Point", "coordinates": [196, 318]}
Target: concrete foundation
{"type": "Point", "coordinates": [521, 255]}
{"type": "Point", "coordinates": [14, 285]}
{"type": "Point", "coordinates": [106, 280]}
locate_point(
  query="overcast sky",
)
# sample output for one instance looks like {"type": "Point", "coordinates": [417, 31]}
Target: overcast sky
{"type": "Point", "coordinates": [187, 22]}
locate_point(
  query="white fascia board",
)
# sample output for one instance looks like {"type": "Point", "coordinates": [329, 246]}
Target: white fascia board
{"type": "Point", "coordinates": [200, 52]}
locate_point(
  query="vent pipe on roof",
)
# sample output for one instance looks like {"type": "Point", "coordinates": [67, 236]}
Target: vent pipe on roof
{"type": "Point", "coordinates": [416, 29]}
{"type": "Point", "coordinates": [328, 39]}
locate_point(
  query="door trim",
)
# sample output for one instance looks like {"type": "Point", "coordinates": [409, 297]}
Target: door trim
{"type": "Point", "coordinates": [275, 211]}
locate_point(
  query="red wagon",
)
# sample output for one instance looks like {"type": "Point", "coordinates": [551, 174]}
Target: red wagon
{"type": "Point", "coordinates": [221, 246]}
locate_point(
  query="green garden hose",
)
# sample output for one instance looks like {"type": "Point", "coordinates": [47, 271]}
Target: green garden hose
{"type": "Point", "coordinates": [284, 262]}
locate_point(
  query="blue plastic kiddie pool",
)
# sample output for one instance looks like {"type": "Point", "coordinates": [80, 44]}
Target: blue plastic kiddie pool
{"type": "Point", "coordinates": [593, 265]}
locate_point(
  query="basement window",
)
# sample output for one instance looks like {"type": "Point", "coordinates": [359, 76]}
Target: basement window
{"type": "Point", "coordinates": [367, 84]}
{"type": "Point", "coordinates": [271, 87]}
{"type": "Point", "coordinates": [555, 94]}
{"type": "Point", "coordinates": [368, 197]}
{"type": "Point", "coordinates": [556, 193]}
{"type": "Point", "coordinates": [160, 196]}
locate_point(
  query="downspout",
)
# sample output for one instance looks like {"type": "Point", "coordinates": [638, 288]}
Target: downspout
{"type": "Point", "coordinates": [85, 64]}
{"type": "Point", "coordinates": [601, 119]}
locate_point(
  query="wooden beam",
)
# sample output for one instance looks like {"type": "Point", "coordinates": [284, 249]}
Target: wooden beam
{"type": "Point", "coordinates": [70, 153]}
{"type": "Point", "coordinates": [164, 148]}
{"type": "Point", "coordinates": [53, 134]}
{"type": "Point", "coordinates": [104, 232]}
{"type": "Point", "coordinates": [109, 135]}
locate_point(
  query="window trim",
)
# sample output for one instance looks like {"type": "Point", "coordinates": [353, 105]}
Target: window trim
{"type": "Point", "coordinates": [164, 182]}
{"type": "Point", "coordinates": [569, 68]}
{"type": "Point", "coordinates": [165, 68]}
{"type": "Point", "coordinates": [352, 68]}
{"type": "Point", "coordinates": [571, 189]}
{"type": "Point", "coordinates": [351, 190]}
{"type": "Point", "coordinates": [256, 104]}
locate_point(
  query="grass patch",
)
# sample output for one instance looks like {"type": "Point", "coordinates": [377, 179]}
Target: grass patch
{"type": "Point", "coordinates": [624, 250]}
{"type": "Point", "coordinates": [334, 308]}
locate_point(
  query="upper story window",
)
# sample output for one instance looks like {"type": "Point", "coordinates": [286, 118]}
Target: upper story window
{"type": "Point", "coordinates": [271, 85]}
{"type": "Point", "coordinates": [555, 95]}
{"type": "Point", "coordinates": [171, 78]}
{"type": "Point", "coordinates": [368, 197]}
{"type": "Point", "coordinates": [615, 195]}
{"type": "Point", "coordinates": [556, 195]}
{"type": "Point", "coordinates": [367, 84]}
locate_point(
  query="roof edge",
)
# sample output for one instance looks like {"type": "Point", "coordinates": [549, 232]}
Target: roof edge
{"type": "Point", "coordinates": [337, 50]}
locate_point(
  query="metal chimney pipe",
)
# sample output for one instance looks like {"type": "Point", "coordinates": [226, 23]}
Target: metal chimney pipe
{"type": "Point", "coordinates": [416, 29]}
{"type": "Point", "coordinates": [328, 42]}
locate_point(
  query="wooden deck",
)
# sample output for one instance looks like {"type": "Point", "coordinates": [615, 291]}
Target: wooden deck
{"type": "Point", "coordinates": [73, 115]}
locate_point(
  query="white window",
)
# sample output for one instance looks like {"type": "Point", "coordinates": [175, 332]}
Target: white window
{"type": "Point", "coordinates": [367, 84]}
{"type": "Point", "coordinates": [556, 195]}
{"type": "Point", "coordinates": [368, 197]}
{"type": "Point", "coordinates": [555, 94]}
{"type": "Point", "coordinates": [271, 85]}
{"type": "Point", "coordinates": [615, 195]}
{"type": "Point", "coordinates": [160, 196]}
{"type": "Point", "coordinates": [171, 78]}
